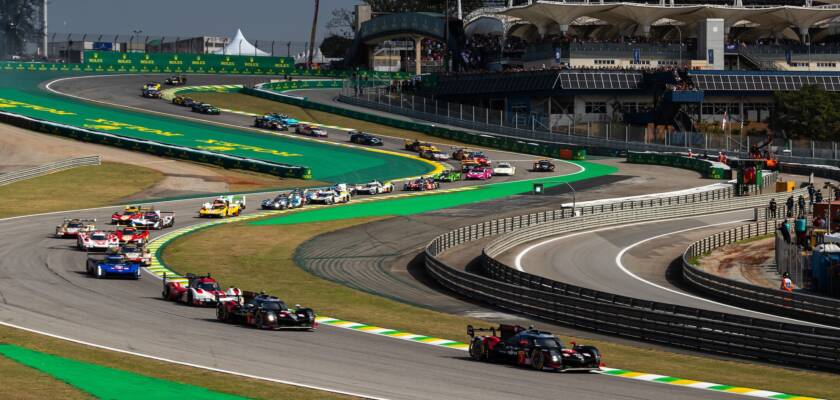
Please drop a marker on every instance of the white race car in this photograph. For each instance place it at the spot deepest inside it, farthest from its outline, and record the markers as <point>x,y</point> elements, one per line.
<point>504,168</point>
<point>310,130</point>
<point>434,155</point>
<point>374,187</point>
<point>154,220</point>
<point>332,195</point>
<point>136,253</point>
<point>73,227</point>
<point>97,241</point>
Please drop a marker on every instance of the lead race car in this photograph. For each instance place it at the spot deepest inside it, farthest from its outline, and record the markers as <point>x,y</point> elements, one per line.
<point>223,207</point>
<point>265,312</point>
<point>199,290</point>
<point>73,227</point>
<point>97,241</point>
<point>530,347</point>
<point>112,265</point>
<point>154,220</point>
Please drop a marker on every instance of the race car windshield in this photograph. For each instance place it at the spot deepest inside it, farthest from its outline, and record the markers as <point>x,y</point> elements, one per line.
<point>273,306</point>
<point>98,237</point>
<point>209,286</point>
<point>74,225</point>
<point>547,343</point>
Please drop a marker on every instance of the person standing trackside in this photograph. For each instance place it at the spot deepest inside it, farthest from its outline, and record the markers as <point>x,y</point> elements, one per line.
<point>772,208</point>
<point>789,206</point>
<point>811,192</point>
<point>818,198</point>
<point>801,203</point>
<point>787,283</point>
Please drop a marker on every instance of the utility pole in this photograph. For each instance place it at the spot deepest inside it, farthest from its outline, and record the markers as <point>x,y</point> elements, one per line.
<point>312,36</point>
<point>44,26</point>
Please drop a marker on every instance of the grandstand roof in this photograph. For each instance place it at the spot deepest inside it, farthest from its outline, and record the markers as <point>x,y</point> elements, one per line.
<point>545,15</point>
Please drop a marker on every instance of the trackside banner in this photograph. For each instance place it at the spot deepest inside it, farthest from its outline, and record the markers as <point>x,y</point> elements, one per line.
<point>198,63</point>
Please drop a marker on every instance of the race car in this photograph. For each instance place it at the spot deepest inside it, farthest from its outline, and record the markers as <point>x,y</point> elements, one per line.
<point>183,101</point>
<point>150,93</point>
<point>543,166</point>
<point>154,220</point>
<point>128,214</point>
<point>198,290</point>
<point>270,123</point>
<point>151,86</point>
<point>97,241</point>
<point>73,227</point>
<point>418,146</point>
<point>135,253</point>
<point>204,108</point>
<point>338,193</point>
<point>448,175</point>
<point>530,347</point>
<point>131,234</point>
<point>460,154</point>
<point>222,207</point>
<point>479,173</point>
<point>374,187</point>
<point>112,265</point>
<point>282,201</point>
<point>434,155</point>
<point>478,157</point>
<point>366,139</point>
<point>265,312</point>
<point>421,184</point>
<point>283,118</point>
<point>310,130</point>
<point>176,80</point>
<point>504,168</point>
<point>467,165</point>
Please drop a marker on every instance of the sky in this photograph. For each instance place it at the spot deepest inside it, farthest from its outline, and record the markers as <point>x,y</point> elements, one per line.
<point>281,20</point>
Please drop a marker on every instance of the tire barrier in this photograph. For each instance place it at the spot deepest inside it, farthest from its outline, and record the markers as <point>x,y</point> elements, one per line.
<point>156,148</point>
<point>33,172</point>
<point>796,305</point>
<point>680,326</point>
<point>704,167</point>
<point>536,148</point>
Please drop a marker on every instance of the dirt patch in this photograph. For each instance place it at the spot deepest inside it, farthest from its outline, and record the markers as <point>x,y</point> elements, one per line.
<point>751,262</point>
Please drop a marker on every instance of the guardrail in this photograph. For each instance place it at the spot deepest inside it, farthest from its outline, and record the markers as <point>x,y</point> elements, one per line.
<point>28,173</point>
<point>686,327</point>
<point>798,305</point>
<point>156,148</point>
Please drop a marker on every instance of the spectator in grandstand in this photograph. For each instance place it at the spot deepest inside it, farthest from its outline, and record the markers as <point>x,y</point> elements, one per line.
<point>789,207</point>
<point>818,196</point>
<point>772,208</point>
<point>801,203</point>
<point>811,192</point>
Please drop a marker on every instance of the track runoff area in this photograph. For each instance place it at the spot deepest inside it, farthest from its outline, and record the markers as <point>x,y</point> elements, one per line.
<point>32,103</point>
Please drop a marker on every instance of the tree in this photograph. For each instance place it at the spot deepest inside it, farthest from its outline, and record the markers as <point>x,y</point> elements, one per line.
<point>341,23</point>
<point>397,6</point>
<point>335,46</point>
<point>19,22</point>
<point>809,113</point>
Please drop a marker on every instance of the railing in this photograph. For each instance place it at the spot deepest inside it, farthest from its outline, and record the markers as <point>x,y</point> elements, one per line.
<point>799,305</point>
<point>675,325</point>
<point>613,136</point>
<point>50,168</point>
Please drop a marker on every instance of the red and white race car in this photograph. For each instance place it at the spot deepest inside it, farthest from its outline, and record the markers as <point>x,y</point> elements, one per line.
<point>97,241</point>
<point>128,214</point>
<point>132,235</point>
<point>480,173</point>
<point>198,290</point>
<point>136,253</point>
<point>73,227</point>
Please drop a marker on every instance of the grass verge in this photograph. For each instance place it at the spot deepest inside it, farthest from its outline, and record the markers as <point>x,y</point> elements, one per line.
<point>81,187</point>
<point>261,258</point>
<point>16,382</point>
<point>33,384</point>
<point>243,102</point>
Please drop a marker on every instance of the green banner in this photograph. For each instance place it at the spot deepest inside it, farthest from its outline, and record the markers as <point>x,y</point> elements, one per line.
<point>107,61</point>
<point>283,86</point>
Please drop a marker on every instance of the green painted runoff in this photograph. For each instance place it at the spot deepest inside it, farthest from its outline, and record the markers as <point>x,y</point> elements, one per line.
<point>420,204</point>
<point>20,94</point>
<point>108,383</point>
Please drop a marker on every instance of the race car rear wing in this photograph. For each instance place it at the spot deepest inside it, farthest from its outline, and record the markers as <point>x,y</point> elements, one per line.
<point>81,220</point>
<point>505,331</point>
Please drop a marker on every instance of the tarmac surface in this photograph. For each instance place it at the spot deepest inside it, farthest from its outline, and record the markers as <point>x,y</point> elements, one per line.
<point>43,287</point>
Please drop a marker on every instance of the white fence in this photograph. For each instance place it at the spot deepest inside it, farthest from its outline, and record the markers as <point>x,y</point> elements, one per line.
<point>33,172</point>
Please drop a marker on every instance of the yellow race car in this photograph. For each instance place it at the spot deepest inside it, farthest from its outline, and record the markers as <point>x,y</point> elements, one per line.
<point>223,207</point>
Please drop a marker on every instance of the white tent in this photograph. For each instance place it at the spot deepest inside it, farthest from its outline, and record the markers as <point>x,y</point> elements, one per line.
<point>240,46</point>
<point>303,57</point>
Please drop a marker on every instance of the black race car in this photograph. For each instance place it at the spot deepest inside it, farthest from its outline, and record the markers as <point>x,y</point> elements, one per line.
<point>366,139</point>
<point>266,122</point>
<point>530,347</point>
<point>205,108</point>
<point>265,312</point>
<point>543,166</point>
<point>176,80</point>
<point>151,93</point>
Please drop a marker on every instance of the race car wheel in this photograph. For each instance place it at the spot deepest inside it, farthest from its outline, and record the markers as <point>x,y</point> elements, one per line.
<point>258,322</point>
<point>165,293</point>
<point>221,313</point>
<point>476,347</point>
<point>538,360</point>
<point>189,297</point>
<point>137,275</point>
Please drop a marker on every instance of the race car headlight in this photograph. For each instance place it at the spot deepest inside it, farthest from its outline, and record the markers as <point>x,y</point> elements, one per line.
<point>270,317</point>
<point>554,358</point>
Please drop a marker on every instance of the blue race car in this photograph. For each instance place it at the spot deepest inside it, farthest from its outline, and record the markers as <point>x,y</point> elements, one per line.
<point>294,199</point>
<point>112,265</point>
<point>283,119</point>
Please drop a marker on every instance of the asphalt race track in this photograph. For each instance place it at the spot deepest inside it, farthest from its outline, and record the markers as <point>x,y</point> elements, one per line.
<point>43,287</point>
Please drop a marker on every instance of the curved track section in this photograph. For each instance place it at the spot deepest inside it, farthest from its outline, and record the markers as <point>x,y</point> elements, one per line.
<point>43,287</point>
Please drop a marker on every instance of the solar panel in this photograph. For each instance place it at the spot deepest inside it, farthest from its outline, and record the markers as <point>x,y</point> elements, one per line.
<point>764,82</point>
<point>599,80</point>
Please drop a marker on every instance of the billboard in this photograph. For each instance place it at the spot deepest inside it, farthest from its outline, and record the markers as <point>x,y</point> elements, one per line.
<point>106,61</point>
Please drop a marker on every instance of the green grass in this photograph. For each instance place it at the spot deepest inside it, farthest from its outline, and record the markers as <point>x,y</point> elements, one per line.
<point>260,258</point>
<point>81,187</point>
<point>24,383</point>
<point>18,382</point>
<point>243,102</point>
<point>696,259</point>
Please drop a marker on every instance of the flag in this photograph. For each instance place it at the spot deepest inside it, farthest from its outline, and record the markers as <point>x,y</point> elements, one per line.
<point>725,120</point>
